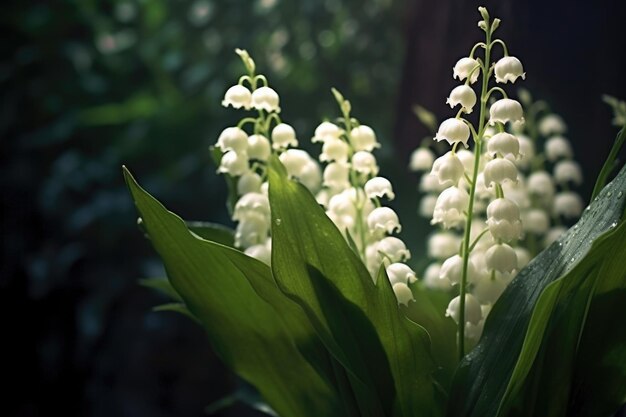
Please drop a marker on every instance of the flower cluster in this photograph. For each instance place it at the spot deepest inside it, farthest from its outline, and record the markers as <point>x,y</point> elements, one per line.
<point>244,156</point>
<point>349,188</point>
<point>469,190</point>
<point>352,194</point>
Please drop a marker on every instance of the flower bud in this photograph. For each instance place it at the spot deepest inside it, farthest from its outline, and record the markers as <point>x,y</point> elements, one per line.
<point>234,164</point>
<point>403,293</point>
<point>501,257</point>
<point>399,272</point>
<point>283,136</point>
<point>259,147</point>
<point>453,131</point>
<point>335,150</point>
<point>450,207</point>
<point>499,170</point>
<point>265,98</point>
<point>463,95</point>
<point>233,139</point>
<point>421,159</point>
<point>473,313</point>
<point>448,169</point>
<point>509,68</point>
<point>568,171</point>
<point>364,162</point>
<point>383,220</point>
<point>363,138</point>
<point>506,110</point>
<point>237,96</point>
<point>503,144</point>
<point>464,67</point>
<point>558,147</point>
<point>379,187</point>
<point>568,204</point>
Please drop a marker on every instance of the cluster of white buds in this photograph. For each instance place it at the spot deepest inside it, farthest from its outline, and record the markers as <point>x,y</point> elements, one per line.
<point>352,193</point>
<point>244,156</point>
<point>467,189</point>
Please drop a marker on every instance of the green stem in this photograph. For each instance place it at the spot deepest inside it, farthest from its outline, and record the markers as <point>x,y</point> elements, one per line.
<point>609,164</point>
<point>470,209</point>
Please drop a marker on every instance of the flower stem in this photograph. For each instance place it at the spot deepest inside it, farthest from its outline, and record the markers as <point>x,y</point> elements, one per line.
<point>470,210</point>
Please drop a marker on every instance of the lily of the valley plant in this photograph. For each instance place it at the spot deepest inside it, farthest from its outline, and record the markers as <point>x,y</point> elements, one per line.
<point>313,300</point>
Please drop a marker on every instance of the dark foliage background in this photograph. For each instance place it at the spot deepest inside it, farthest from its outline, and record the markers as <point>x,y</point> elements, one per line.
<point>87,86</point>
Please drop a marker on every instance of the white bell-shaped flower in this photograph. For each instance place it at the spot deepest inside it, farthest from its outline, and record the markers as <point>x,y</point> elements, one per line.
<point>251,203</point>
<point>399,272</point>
<point>261,252</point>
<point>450,207</point>
<point>540,184</point>
<point>466,67</point>
<point>337,176</point>
<point>234,164</point>
<point>310,175</point>
<point>558,147</point>
<point>467,159</point>
<point>432,280</point>
<point>294,160</point>
<point>506,110</point>
<point>383,220</point>
<point>509,68</point>
<point>554,234</point>
<point>427,206</point>
<point>265,98</point>
<point>473,313</point>
<point>442,245</point>
<point>238,96</point>
<point>568,171</point>
<point>421,159</point>
<point>568,204</point>
<point>552,124</point>
<point>499,170</point>
<point>379,187</point>
<point>503,219</point>
<point>463,95</point>
<point>536,221</point>
<point>252,230</point>
<point>259,147</point>
<point>403,293</point>
<point>363,138</point>
<point>364,162</point>
<point>250,182</point>
<point>430,184</point>
<point>474,331</point>
<point>501,257</point>
<point>326,130</point>
<point>487,290</point>
<point>393,249</point>
<point>452,270</point>
<point>335,150</point>
<point>283,136</point>
<point>342,210</point>
<point>503,144</point>
<point>448,169</point>
<point>453,131</point>
<point>526,151</point>
<point>233,139</point>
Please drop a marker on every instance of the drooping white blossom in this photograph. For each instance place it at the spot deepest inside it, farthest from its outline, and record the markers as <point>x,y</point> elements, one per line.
<point>383,220</point>
<point>568,204</point>
<point>503,144</point>
<point>363,138</point>
<point>498,171</point>
<point>450,207</point>
<point>501,257</point>
<point>466,67</point>
<point>568,171</point>
<point>463,95</point>
<point>265,98</point>
<point>259,147</point>
<point>448,169</point>
<point>473,313</point>
<point>558,147</point>
<point>233,139</point>
<point>379,187</point>
<point>238,96</point>
<point>234,163</point>
<point>509,69</point>
<point>421,159</point>
<point>283,136</point>
<point>506,110</point>
<point>453,130</point>
<point>364,162</point>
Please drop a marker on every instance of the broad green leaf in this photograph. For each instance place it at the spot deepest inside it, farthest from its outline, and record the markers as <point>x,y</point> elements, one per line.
<point>214,232</point>
<point>485,373</point>
<point>387,356</point>
<point>259,333</point>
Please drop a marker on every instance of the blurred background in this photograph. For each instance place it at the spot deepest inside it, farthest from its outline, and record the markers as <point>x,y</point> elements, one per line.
<point>87,86</point>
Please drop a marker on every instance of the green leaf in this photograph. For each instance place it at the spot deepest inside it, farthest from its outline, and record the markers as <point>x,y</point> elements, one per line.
<point>487,372</point>
<point>387,356</point>
<point>177,308</point>
<point>258,332</point>
<point>214,232</point>
<point>231,182</point>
